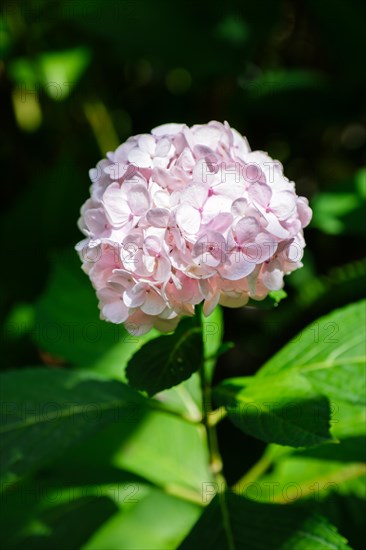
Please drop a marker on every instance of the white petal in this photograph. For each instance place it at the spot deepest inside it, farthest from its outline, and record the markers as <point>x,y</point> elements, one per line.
<point>163,147</point>
<point>168,129</point>
<point>274,227</point>
<point>115,204</point>
<point>139,158</point>
<point>135,296</point>
<point>188,218</point>
<point>215,205</point>
<point>273,276</point>
<point>283,204</point>
<point>147,144</point>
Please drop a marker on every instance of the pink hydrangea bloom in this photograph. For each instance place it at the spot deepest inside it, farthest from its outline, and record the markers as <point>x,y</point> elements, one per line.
<point>188,215</point>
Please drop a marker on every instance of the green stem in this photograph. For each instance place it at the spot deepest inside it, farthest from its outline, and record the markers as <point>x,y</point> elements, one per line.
<point>214,453</point>
<point>215,460</point>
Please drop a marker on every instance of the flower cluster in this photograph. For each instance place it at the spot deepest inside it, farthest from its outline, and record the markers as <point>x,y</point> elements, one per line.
<point>188,215</point>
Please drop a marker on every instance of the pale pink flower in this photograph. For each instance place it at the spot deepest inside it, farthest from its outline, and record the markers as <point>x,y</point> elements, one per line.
<point>188,215</point>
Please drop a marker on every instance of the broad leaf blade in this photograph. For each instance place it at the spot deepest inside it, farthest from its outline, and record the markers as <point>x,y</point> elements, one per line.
<point>44,412</point>
<point>168,360</point>
<point>165,521</point>
<point>283,409</point>
<point>333,340</point>
<point>231,522</point>
<point>330,354</point>
<point>67,323</point>
<point>170,453</point>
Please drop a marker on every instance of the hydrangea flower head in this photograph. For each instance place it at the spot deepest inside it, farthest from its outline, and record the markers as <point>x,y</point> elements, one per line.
<point>188,215</point>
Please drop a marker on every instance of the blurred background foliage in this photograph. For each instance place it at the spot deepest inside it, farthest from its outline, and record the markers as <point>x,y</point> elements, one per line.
<point>77,77</point>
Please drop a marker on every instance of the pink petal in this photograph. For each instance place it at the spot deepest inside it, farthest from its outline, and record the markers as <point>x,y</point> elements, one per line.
<point>210,249</point>
<point>210,303</point>
<point>246,230</point>
<point>186,160</point>
<point>220,222</point>
<point>305,213</point>
<point>260,193</point>
<point>158,217</point>
<point>116,312</point>
<point>95,220</point>
<point>239,207</point>
<point>238,268</point>
<point>153,304</point>
<point>138,199</point>
<point>152,245</point>
<point>266,246</point>
<point>163,269</point>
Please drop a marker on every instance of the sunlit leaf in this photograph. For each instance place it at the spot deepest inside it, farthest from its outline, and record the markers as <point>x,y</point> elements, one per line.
<point>61,70</point>
<point>282,409</point>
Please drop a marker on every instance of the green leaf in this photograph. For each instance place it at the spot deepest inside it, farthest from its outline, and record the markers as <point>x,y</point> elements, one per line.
<point>304,475</point>
<point>60,71</point>
<point>168,360</point>
<point>44,412</point>
<point>330,354</point>
<point>72,521</point>
<point>41,513</point>
<point>283,409</point>
<point>232,522</point>
<point>185,398</point>
<point>340,382</point>
<point>161,448</point>
<point>234,30</point>
<point>67,322</point>
<point>23,72</point>
<point>168,452</point>
<point>333,341</point>
<point>157,521</point>
<point>342,209</point>
<point>283,81</point>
